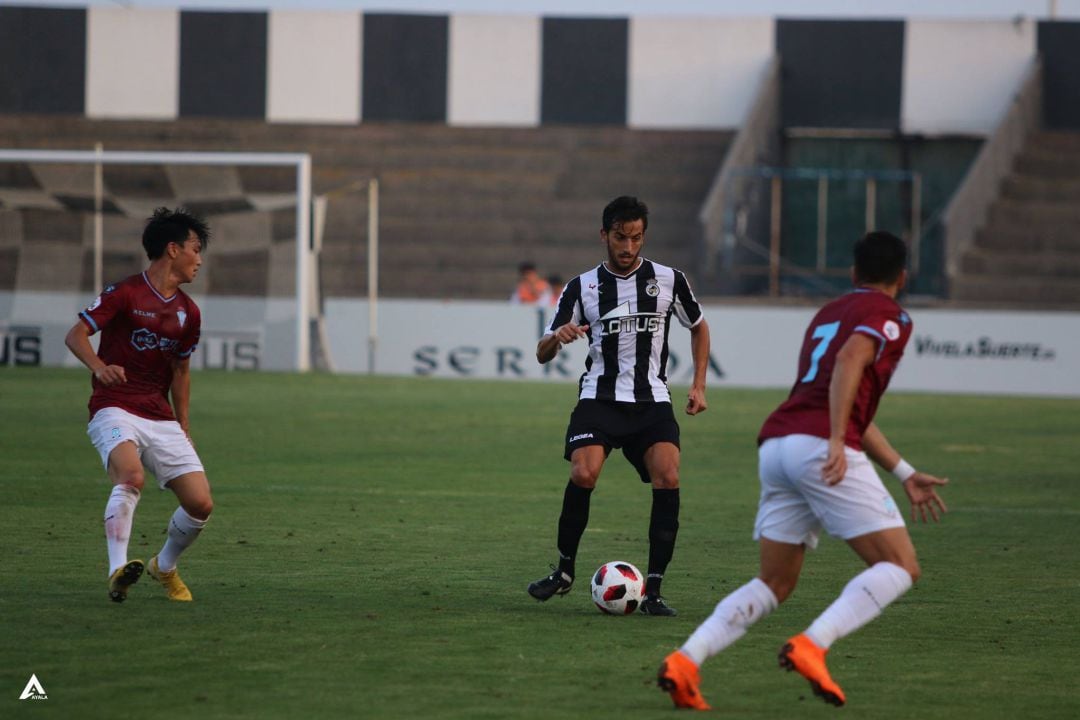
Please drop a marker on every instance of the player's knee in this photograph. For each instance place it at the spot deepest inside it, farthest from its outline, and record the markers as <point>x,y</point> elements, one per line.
<point>583,476</point>
<point>781,585</point>
<point>133,478</point>
<point>665,479</point>
<point>200,508</point>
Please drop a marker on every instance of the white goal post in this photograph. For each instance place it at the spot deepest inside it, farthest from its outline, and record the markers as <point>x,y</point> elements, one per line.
<point>300,161</point>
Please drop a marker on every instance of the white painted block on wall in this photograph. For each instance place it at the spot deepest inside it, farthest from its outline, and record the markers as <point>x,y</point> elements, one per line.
<point>313,66</point>
<point>132,63</point>
<point>960,76</point>
<point>494,70</point>
<point>695,72</point>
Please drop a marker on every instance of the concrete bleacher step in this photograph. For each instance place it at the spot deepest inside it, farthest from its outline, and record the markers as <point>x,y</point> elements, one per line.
<point>1026,213</point>
<point>1024,290</point>
<point>1041,189</point>
<point>1009,264</point>
<point>1033,239</point>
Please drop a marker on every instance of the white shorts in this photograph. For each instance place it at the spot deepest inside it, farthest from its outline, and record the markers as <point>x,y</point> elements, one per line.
<point>162,446</point>
<point>796,503</point>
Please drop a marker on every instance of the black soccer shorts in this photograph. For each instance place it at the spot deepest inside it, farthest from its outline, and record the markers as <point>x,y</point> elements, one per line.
<point>633,427</point>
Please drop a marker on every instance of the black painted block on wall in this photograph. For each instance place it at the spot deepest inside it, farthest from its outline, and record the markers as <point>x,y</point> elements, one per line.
<point>584,71</point>
<point>1059,43</point>
<point>841,73</point>
<point>42,60</point>
<point>223,64</point>
<point>405,67</point>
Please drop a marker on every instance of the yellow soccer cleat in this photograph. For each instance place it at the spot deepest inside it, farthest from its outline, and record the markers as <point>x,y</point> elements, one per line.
<point>802,655</point>
<point>678,677</point>
<point>174,586</point>
<point>123,578</point>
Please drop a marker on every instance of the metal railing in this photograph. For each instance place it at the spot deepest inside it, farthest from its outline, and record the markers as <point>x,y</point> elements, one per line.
<point>777,176</point>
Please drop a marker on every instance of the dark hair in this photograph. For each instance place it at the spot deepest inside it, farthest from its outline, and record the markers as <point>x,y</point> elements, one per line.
<point>526,266</point>
<point>166,226</point>
<point>625,208</point>
<point>880,257</point>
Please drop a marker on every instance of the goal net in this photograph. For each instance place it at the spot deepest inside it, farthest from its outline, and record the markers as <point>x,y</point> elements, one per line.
<point>71,223</point>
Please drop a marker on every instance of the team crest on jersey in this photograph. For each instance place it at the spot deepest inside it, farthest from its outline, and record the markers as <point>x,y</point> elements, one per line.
<point>182,317</point>
<point>891,330</point>
<point>94,305</point>
<point>652,287</point>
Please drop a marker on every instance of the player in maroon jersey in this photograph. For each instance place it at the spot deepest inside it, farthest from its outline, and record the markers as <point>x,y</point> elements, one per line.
<point>815,472</point>
<point>149,328</point>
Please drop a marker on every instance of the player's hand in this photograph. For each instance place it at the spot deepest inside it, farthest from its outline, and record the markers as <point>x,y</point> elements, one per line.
<point>695,401</point>
<point>110,375</point>
<point>570,332</point>
<point>835,466</point>
<point>921,489</point>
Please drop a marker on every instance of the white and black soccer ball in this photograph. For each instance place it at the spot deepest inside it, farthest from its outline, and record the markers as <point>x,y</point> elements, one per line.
<point>617,587</point>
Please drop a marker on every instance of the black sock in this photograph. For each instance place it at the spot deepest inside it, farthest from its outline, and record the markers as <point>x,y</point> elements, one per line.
<point>572,522</point>
<point>663,528</point>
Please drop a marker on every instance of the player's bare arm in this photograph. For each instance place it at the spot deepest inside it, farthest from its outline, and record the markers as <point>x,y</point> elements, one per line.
<point>549,345</point>
<point>78,342</point>
<point>851,360</point>
<point>921,488</point>
<point>699,349</point>
<point>180,390</point>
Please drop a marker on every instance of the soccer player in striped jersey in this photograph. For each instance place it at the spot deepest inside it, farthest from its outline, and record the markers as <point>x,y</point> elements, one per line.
<point>149,328</point>
<point>815,472</point>
<point>623,308</point>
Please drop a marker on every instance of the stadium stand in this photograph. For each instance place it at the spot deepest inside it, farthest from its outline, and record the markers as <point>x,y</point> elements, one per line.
<point>1028,253</point>
<point>459,206</point>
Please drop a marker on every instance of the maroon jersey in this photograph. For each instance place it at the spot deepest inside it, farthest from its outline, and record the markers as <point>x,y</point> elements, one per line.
<point>806,411</point>
<point>142,332</point>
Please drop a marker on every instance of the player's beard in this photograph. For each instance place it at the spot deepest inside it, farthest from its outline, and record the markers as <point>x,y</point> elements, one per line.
<point>617,262</point>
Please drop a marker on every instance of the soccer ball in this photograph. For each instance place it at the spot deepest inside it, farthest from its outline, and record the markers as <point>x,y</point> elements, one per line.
<point>617,588</point>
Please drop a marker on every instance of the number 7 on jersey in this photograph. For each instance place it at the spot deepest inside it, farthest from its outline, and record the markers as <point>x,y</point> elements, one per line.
<point>824,335</point>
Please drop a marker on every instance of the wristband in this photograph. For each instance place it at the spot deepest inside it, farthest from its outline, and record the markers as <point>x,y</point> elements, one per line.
<point>903,470</point>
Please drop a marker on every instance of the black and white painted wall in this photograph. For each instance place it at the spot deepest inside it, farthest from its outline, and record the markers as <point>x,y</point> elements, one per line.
<point>931,77</point>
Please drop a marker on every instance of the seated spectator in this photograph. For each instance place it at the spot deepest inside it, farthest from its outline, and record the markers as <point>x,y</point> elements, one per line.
<point>556,283</point>
<point>531,288</point>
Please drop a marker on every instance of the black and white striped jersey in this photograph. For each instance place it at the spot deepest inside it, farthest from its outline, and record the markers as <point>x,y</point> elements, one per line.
<point>628,318</point>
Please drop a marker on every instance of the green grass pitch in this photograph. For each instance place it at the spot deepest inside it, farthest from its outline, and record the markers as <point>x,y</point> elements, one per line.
<point>373,537</point>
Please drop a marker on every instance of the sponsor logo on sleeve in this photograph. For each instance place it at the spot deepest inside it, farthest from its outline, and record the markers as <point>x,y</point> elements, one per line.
<point>891,330</point>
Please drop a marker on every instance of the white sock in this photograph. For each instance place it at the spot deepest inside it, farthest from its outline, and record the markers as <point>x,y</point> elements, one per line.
<point>119,514</point>
<point>730,620</point>
<point>183,529</point>
<point>863,599</point>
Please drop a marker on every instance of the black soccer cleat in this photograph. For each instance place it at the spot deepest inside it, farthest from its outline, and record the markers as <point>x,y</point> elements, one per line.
<point>557,583</point>
<point>655,605</point>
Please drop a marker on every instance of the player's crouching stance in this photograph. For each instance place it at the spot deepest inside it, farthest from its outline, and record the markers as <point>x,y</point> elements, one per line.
<point>815,472</point>
<point>149,328</point>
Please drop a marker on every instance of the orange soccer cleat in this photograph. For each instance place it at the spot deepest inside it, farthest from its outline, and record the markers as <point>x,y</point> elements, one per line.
<point>802,655</point>
<point>678,676</point>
